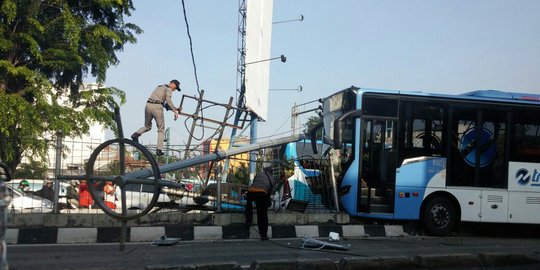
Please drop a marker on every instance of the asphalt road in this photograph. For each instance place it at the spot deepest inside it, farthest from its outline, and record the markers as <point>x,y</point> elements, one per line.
<point>139,255</point>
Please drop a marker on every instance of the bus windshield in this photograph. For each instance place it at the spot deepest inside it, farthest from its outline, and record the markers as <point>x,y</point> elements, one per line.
<point>334,107</point>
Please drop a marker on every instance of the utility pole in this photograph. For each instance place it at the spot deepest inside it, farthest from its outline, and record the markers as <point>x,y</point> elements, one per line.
<point>297,110</point>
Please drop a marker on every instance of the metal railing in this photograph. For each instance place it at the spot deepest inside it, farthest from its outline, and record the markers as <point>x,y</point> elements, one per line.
<point>308,191</point>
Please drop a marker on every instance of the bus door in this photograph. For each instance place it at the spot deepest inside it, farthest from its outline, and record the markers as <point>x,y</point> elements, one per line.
<point>377,166</point>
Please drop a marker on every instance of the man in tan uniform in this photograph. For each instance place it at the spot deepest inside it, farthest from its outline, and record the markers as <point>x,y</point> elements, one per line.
<point>159,98</point>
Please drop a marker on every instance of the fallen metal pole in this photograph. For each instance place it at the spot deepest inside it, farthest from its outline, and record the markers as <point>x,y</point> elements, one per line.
<point>182,164</point>
<point>206,198</point>
<point>186,163</point>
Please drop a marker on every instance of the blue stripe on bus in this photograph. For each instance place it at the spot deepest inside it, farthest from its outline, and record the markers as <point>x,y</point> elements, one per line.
<point>348,201</point>
<point>376,215</point>
<point>411,179</point>
<point>408,207</point>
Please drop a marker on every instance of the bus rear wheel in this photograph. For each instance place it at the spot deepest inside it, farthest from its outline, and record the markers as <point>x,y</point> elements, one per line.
<point>439,216</point>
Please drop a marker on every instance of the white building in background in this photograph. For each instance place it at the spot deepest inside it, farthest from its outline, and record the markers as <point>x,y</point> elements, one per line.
<point>77,150</point>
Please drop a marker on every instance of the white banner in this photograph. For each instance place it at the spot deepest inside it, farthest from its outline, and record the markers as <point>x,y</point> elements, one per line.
<point>258,41</point>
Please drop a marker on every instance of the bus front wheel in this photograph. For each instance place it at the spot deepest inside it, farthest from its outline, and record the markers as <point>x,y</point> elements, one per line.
<point>439,216</point>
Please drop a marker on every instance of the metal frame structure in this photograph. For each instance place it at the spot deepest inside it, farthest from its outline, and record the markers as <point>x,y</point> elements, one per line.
<point>141,176</point>
<point>150,176</point>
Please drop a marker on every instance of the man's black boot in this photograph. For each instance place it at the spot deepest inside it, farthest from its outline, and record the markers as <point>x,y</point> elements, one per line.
<point>159,153</point>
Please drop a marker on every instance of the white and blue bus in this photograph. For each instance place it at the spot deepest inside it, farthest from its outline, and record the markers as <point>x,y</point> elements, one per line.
<point>440,159</point>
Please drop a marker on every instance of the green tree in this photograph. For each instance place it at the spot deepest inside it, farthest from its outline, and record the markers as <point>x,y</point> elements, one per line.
<point>47,48</point>
<point>311,123</point>
<point>113,167</point>
<point>32,170</point>
<point>240,175</point>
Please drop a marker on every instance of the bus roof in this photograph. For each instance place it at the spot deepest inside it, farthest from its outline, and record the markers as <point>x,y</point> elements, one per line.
<point>503,95</point>
<point>494,95</point>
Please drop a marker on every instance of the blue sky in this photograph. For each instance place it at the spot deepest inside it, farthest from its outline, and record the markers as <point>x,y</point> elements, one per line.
<point>451,46</point>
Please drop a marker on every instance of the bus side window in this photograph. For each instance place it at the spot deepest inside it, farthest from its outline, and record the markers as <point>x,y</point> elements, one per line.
<point>421,130</point>
<point>526,140</point>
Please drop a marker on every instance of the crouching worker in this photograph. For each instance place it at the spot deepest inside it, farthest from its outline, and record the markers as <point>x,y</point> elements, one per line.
<point>260,192</point>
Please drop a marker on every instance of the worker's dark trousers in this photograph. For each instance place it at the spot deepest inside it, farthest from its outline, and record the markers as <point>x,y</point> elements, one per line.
<point>262,202</point>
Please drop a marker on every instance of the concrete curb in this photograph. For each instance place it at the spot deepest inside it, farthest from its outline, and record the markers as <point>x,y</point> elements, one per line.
<point>375,263</point>
<point>49,235</point>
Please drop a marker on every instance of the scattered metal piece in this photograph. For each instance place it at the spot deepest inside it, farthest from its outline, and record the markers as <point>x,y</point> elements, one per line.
<point>165,241</point>
<point>333,236</point>
<point>317,244</point>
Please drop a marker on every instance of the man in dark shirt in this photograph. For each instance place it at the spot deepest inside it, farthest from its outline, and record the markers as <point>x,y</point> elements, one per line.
<point>260,192</point>
<point>46,191</point>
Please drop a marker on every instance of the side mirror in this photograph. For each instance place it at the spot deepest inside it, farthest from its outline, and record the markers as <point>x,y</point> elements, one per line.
<point>337,134</point>
<point>313,136</point>
<point>338,123</point>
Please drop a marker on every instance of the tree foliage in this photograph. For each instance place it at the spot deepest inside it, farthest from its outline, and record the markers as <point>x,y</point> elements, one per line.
<point>47,48</point>
<point>311,123</point>
<point>32,170</point>
<point>239,174</point>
